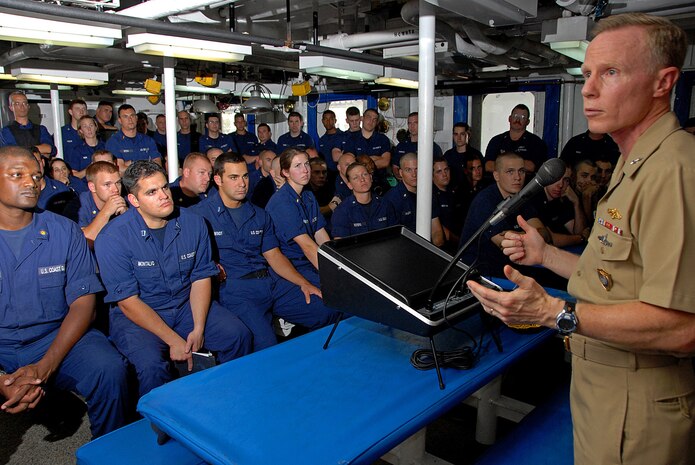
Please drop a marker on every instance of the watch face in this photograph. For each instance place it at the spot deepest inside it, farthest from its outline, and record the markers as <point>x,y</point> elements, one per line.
<point>566,324</point>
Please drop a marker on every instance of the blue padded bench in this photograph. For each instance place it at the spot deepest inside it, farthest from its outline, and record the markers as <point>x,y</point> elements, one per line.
<point>544,436</point>
<point>135,444</point>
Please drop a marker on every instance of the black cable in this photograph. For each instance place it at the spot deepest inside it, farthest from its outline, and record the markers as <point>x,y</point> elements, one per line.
<point>462,359</point>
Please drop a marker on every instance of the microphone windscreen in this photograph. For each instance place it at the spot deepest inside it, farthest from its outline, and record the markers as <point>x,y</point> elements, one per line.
<point>551,172</point>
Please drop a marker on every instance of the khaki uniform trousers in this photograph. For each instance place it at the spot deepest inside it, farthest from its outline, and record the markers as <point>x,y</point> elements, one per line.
<point>630,408</point>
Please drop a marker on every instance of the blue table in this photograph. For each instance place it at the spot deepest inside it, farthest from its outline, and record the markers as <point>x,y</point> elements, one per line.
<point>298,404</point>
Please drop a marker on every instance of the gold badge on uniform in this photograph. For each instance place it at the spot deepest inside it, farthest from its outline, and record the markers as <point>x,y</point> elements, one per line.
<point>605,278</point>
<point>615,214</point>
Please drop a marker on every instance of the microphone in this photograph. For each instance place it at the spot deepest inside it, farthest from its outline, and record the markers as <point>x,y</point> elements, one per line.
<point>550,172</point>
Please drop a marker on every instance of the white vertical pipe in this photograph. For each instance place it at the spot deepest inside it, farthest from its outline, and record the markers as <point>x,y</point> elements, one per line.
<point>170,113</point>
<point>57,120</point>
<point>425,137</point>
<point>566,114</point>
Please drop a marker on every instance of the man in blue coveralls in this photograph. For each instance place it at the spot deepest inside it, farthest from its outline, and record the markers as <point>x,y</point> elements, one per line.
<point>156,265</point>
<point>247,246</point>
<point>296,137</point>
<point>48,279</point>
<point>127,144</point>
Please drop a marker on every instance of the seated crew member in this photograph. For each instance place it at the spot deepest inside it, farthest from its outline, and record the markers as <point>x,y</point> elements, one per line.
<point>361,211</point>
<point>103,116</point>
<point>246,142</point>
<point>127,144</point>
<point>449,202</point>
<point>299,225</point>
<point>509,177</point>
<point>458,156</point>
<point>22,132</point>
<point>82,153</point>
<point>517,140</point>
<point>268,185</point>
<point>246,246</point>
<point>60,171</point>
<point>474,180</point>
<point>212,153</point>
<point>265,158</point>
<point>77,109</point>
<point>296,137</point>
<point>156,266</point>
<point>187,139</point>
<point>584,183</point>
<point>103,202</point>
<point>560,210</point>
<point>103,155</point>
<point>264,139</point>
<point>590,146</point>
<point>54,195</point>
<point>403,197</point>
<point>409,145</point>
<point>214,137</point>
<point>48,285</point>
<point>342,191</point>
<point>159,135</point>
<point>319,185</point>
<point>331,142</point>
<point>373,144</point>
<point>194,182</point>
<point>143,124</point>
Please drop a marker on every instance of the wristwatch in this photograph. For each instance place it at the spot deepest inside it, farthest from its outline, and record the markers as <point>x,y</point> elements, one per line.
<point>566,321</point>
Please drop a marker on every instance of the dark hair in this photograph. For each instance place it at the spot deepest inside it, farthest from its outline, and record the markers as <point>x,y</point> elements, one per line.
<point>286,158</point>
<point>138,170</point>
<point>689,123</point>
<point>328,112</point>
<point>104,103</point>
<point>263,125</point>
<point>373,110</point>
<point>239,115</point>
<point>463,125</point>
<point>521,106</point>
<point>212,115</point>
<point>16,151</point>
<point>414,113</point>
<point>352,111</point>
<point>439,159</point>
<point>124,107</point>
<point>295,113</point>
<point>103,152</point>
<point>472,156</point>
<point>77,101</point>
<point>227,157</point>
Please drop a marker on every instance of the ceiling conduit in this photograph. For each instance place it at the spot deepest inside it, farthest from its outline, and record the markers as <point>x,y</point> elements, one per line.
<point>155,9</point>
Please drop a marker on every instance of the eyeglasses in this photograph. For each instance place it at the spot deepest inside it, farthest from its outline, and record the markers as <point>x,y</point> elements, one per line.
<point>516,117</point>
<point>20,104</point>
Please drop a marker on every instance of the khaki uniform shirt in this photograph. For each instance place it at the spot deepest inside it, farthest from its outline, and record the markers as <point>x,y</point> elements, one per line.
<point>629,407</point>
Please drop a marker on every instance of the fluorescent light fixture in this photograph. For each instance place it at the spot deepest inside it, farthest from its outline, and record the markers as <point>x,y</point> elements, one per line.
<point>7,77</point>
<point>413,50</point>
<point>575,71</point>
<point>38,29</point>
<point>180,47</point>
<point>572,48</point>
<point>340,68</point>
<point>131,92</point>
<point>70,77</point>
<point>398,78</point>
<point>202,90</point>
<point>28,86</point>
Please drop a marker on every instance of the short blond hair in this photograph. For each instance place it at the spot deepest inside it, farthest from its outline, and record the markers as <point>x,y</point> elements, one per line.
<point>666,42</point>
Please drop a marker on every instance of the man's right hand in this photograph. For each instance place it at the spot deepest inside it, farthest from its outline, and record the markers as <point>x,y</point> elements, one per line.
<point>178,352</point>
<point>524,249</point>
<point>115,205</point>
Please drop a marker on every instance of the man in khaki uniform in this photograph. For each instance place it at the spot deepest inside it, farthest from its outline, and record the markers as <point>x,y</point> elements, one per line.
<point>633,387</point>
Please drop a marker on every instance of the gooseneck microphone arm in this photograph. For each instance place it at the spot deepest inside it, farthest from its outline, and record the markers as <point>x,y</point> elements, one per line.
<point>550,172</point>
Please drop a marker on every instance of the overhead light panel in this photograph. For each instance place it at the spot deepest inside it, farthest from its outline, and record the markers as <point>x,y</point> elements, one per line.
<point>39,29</point>
<point>180,47</point>
<point>398,78</point>
<point>572,48</point>
<point>340,68</point>
<point>29,86</point>
<point>76,76</point>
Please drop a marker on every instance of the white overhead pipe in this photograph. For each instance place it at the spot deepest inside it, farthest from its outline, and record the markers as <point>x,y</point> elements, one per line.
<point>170,112</point>
<point>57,120</point>
<point>370,39</point>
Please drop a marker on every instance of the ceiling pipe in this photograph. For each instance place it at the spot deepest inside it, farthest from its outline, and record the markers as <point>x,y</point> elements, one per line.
<point>371,39</point>
<point>193,31</point>
<point>57,52</point>
<point>480,40</point>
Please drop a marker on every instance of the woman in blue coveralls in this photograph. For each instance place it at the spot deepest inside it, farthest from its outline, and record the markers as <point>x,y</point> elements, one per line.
<point>299,225</point>
<point>362,211</point>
